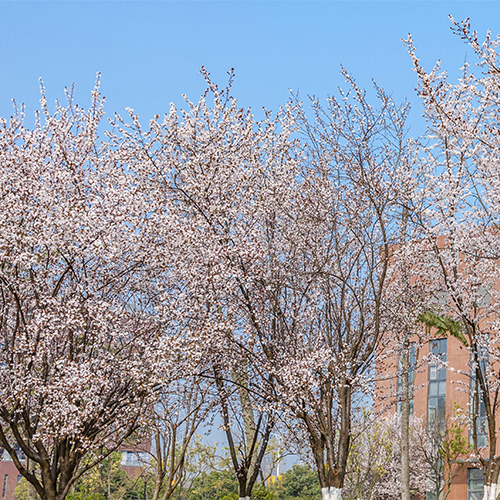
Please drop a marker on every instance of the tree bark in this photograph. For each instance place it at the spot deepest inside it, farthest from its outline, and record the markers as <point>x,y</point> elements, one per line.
<point>331,493</point>
<point>490,491</point>
<point>30,489</point>
<point>405,421</point>
<point>257,435</point>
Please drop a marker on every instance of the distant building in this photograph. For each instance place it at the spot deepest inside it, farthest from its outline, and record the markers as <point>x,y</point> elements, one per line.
<point>132,462</point>
<point>9,476</point>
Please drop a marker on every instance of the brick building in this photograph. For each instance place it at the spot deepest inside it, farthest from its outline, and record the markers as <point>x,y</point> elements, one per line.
<point>9,477</point>
<point>132,463</point>
<point>438,392</point>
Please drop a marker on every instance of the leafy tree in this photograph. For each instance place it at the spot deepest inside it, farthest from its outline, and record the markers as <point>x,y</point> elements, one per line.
<point>106,481</point>
<point>261,492</point>
<point>214,485</point>
<point>445,449</point>
<point>299,482</point>
<point>173,433</point>
<point>201,457</point>
<point>210,173</point>
<point>334,305</point>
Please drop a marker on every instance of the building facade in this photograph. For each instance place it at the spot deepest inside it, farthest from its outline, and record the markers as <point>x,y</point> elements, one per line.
<point>442,389</point>
<point>9,477</point>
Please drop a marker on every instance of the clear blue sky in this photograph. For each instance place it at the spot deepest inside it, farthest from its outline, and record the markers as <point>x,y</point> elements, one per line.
<point>149,53</point>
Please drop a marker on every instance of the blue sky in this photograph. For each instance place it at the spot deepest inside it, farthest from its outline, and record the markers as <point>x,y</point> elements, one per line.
<point>149,53</point>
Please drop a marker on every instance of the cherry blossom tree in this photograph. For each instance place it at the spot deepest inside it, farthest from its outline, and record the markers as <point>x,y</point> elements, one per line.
<point>212,173</point>
<point>374,465</point>
<point>280,254</point>
<point>177,415</point>
<point>77,345</point>
<point>246,424</point>
<point>460,251</point>
<point>314,293</point>
<point>345,225</point>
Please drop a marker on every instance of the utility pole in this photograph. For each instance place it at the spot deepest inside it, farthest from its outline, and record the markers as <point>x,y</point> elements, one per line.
<point>405,385</point>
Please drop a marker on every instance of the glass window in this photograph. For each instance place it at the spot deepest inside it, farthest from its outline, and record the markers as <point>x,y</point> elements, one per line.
<point>134,459</point>
<point>441,409</point>
<point>436,396</point>
<point>477,401</point>
<point>433,388</point>
<point>474,484</point>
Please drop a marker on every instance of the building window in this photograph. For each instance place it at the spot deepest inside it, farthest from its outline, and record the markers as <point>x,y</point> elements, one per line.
<point>477,402</point>
<point>475,484</point>
<point>411,376</point>
<point>5,485</point>
<point>481,420</point>
<point>436,399</point>
<point>134,459</point>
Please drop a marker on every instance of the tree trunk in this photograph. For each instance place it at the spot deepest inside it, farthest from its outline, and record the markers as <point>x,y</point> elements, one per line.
<point>330,454</point>
<point>30,489</point>
<point>490,491</point>
<point>491,473</point>
<point>331,493</point>
<point>252,453</point>
<point>248,418</point>
<point>405,421</point>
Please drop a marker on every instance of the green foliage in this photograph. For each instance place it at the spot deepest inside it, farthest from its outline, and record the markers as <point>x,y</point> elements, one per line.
<point>108,481</point>
<point>444,325</point>
<point>86,496</point>
<point>370,456</point>
<point>454,444</point>
<point>21,491</point>
<point>262,493</point>
<point>101,481</point>
<point>215,485</point>
<point>299,482</point>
